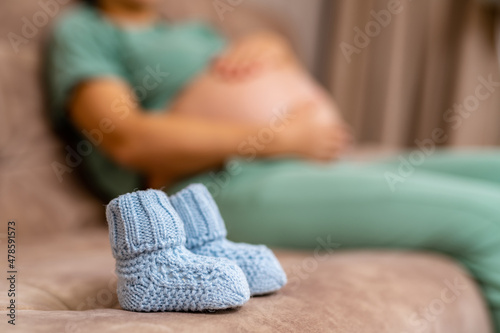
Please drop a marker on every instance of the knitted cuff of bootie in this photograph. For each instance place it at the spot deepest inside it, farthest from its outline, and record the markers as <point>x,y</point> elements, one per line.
<point>206,235</point>
<point>143,221</point>
<point>155,271</point>
<point>200,214</point>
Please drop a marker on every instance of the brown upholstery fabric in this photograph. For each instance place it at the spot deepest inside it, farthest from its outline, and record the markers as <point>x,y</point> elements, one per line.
<point>67,284</point>
<point>29,189</point>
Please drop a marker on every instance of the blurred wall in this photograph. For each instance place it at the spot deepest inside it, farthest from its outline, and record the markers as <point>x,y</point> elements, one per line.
<point>399,73</point>
<point>299,20</point>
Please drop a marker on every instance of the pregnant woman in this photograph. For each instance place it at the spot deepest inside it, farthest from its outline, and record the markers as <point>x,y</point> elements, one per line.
<point>166,105</point>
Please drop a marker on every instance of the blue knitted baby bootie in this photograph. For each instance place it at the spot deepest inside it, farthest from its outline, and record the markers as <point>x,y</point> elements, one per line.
<point>155,270</point>
<point>206,235</point>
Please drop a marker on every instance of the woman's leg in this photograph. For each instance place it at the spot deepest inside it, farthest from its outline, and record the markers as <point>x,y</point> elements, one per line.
<point>478,164</point>
<point>298,204</point>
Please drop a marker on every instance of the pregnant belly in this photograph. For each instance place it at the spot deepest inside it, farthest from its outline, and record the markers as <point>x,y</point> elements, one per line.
<point>254,100</point>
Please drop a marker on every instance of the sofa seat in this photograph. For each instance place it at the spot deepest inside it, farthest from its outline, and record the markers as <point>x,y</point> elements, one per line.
<point>66,283</point>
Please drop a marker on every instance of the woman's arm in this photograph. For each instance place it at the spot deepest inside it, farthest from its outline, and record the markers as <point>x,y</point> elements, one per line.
<point>167,147</point>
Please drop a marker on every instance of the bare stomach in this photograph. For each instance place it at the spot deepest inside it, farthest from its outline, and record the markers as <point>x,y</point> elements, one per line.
<point>254,100</point>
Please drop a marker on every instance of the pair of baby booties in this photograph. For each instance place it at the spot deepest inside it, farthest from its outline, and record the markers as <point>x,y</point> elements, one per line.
<point>172,254</point>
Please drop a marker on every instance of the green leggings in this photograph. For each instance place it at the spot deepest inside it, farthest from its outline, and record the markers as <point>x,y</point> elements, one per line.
<point>449,203</point>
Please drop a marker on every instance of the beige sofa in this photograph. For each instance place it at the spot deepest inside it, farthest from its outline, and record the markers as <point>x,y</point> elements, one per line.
<point>65,280</point>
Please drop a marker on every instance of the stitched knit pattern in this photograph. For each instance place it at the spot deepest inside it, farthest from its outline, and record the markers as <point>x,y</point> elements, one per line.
<point>155,271</point>
<point>206,235</point>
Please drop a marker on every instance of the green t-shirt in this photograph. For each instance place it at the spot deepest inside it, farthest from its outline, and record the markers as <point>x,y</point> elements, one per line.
<point>156,61</point>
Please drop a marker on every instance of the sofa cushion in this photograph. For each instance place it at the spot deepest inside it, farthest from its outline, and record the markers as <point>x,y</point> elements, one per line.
<point>66,284</point>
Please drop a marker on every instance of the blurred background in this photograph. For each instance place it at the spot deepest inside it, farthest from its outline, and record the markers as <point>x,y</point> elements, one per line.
<point>397,84</point>
<point>398,70</point>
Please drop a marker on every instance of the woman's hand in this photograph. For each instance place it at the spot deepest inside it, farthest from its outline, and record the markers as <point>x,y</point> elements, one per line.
<point>251,55</point>
<point>311,136</point>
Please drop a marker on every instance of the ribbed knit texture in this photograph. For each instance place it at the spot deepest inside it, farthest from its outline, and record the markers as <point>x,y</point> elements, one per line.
<point>206,235</point>
<point>155,270</point>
